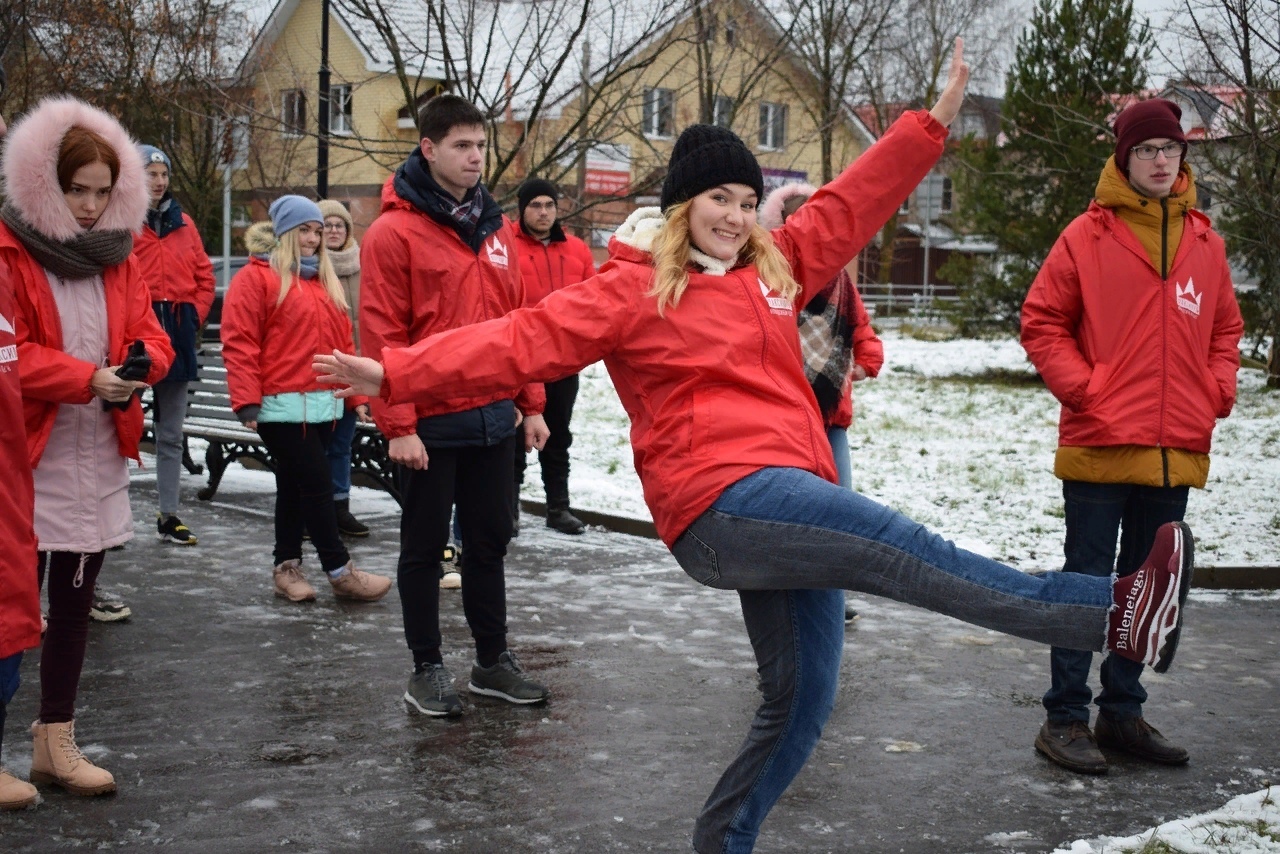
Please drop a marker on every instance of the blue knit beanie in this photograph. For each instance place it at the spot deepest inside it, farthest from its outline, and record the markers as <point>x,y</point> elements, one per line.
<point>151,154</point>
<point>289,212</point>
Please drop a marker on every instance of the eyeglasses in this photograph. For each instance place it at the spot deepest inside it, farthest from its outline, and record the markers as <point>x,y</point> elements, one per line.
<point>1171,151</point>
<point>335,226</point>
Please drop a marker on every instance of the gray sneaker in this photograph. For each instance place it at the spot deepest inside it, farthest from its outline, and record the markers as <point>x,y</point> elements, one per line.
<point>431,692</point>
<point>506,681</point>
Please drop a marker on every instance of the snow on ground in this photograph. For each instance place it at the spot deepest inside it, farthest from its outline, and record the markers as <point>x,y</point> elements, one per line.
<point>970,458</point>
<point>1249,824</point>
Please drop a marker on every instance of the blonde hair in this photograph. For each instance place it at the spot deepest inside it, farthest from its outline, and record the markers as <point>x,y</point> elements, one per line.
<point>671,252</point>
<point>285,260</point>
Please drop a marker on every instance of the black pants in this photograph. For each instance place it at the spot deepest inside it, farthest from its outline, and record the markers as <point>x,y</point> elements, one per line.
<point>71,577</point>
<point>479,480</point>
<point>554,458</point>
<point>304,492</point>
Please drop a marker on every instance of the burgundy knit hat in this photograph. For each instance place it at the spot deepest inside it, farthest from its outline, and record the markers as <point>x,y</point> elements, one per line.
<point>1152,119</point>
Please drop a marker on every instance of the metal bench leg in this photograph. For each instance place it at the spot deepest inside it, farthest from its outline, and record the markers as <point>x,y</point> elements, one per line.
<point>216,460</point>
<point>188,463</point>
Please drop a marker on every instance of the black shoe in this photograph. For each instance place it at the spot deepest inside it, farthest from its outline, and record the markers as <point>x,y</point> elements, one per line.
<point>1138,738</point>
<point>108,609</point>
<point>348,524</point>
<point>431,692</point>
<point>506,680</point>
<point>565,522</point>
<point>849,615</point>
<point>1071,745</point>
<point>171,530</point>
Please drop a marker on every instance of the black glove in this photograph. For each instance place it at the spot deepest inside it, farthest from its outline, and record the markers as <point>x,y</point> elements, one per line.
<point>136,367</point>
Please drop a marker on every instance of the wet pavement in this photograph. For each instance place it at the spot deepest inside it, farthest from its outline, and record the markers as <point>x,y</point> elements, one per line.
<point>235,721</point>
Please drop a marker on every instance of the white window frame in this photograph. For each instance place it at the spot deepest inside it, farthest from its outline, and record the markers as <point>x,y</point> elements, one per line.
<point>773,126</point>
<point>721,110</point>
<point>340,101</point>
<point>293,112</point>
<point>659,104</point>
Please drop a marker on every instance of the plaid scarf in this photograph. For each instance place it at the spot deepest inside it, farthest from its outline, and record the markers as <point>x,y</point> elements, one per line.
<point>826,341</point>
<point>466,213</point>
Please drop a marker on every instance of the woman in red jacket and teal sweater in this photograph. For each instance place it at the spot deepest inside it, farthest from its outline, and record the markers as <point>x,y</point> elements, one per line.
<point>694,317</point>
<point>286,304</point>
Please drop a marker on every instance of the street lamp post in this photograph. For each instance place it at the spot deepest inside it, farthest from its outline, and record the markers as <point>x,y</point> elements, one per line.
<point>322,139</point>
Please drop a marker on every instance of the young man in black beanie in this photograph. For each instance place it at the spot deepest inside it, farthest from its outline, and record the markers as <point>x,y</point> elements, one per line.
<point>550,260</point>
<point>1133,323</point>
<point>440,256</point>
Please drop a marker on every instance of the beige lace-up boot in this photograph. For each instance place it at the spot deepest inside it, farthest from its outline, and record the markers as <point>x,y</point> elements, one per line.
<point>360,585</point>
<point>15,794</point>
<point>56,759</point>
<point>290,582</point>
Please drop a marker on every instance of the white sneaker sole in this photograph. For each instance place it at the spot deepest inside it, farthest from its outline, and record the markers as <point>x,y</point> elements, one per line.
<point>493,692</point>
<point>408,698</point>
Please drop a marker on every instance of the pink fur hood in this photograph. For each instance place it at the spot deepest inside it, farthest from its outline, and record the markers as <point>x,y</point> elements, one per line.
<point>30,167</point>
<point>770,213</point>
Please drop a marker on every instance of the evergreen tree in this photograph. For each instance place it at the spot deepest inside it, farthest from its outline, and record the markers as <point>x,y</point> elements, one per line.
<point>1072,60</point>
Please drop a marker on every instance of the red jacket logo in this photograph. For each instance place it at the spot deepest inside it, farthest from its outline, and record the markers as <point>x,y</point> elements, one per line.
<point>777,304</point>
<point>497,252</point>
<point>1188,299</point>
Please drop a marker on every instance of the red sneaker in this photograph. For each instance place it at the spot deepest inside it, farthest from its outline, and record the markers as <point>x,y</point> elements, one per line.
<point>1146,621</point>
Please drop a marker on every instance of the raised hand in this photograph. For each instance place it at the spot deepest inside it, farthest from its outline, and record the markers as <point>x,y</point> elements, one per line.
<point>948,106</point>
<point>354,375</point>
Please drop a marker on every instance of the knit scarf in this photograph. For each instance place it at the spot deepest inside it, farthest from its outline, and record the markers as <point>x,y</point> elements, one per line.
<point>82,257</point>
<point>414,184</point>
<point>826,341</point>
<point>346,262</point>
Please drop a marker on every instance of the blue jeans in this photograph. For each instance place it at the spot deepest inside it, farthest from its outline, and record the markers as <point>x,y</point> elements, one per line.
<point>838,437</point>
<point>339,453</point>
<point>1096,514</point>
<point>785,530</point>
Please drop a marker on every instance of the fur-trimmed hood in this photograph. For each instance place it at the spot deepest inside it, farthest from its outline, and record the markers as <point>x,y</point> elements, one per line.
<point>260,239</point>
<point>770,213</point>
<point>643,225</point>
<point>30,168</point>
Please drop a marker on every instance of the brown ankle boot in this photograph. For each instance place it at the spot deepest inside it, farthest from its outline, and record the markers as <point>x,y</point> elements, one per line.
<point>360,585</point>
<point>15,794</point>
<point>56,759</point>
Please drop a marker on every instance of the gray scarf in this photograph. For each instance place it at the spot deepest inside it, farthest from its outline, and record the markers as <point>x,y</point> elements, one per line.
<point>346,262</point>
<point>82,257</point>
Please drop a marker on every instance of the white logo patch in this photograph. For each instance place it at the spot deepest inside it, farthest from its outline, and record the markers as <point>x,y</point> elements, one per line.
<point>497,252</point>
<point>1188,299</point>
<point>777,304</point>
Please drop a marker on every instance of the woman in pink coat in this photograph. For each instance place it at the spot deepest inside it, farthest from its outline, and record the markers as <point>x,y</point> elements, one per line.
<point>75,197</point>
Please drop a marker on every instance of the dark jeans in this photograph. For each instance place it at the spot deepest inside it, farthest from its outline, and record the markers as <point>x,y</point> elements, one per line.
<point>9,678</point>
<point>478,479</point>
<point>1096,514</point>
<point>339,451</point>
<point>71,579</point>
<point>554,458</point>
<point>304,492</point>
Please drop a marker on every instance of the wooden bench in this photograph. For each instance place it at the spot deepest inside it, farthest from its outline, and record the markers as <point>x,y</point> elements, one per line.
<point>210,417</point>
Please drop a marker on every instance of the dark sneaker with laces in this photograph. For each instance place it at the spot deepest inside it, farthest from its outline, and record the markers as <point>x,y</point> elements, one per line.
<point>431,692</point>
<point>1071,745</point>
<point>565,522</point>
<point>1138,738</point>
<point>506,681</point>
<point>849,615</point>
<point>1146,621</point>
<point>171,530</point>
<point>108,609</point>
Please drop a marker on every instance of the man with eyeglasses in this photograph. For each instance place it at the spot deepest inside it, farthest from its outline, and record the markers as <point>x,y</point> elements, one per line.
<point>550,259</point>
<point>1133,324</point>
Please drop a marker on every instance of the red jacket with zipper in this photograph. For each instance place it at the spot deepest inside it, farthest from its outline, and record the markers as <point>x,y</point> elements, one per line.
<point>19,593</point>
<point>50,376</point>
<point>418,278</point>
<point>268,348</point>
<point>714,388</point>
<point>549,267</point>
<point>868,351</point>
<point>1135,359</point>
<point>176,267</point>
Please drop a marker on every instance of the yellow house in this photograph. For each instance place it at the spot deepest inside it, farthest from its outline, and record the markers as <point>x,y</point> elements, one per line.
<point>649,76</point>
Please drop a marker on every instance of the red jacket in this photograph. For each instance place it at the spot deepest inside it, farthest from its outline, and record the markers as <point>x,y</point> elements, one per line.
<point>176,267</point>
<point>868,351</point>
<point>549,267</point>
<point>1134,359</point>
<point>19,593</point>
<point>268,349</point>
<point>50,377</point>
<point>418,278</point>
<point>715,389</point>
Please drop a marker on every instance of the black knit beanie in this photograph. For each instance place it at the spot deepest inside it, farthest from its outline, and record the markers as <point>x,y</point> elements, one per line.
<point>534,187</point>
<point>707,156</point>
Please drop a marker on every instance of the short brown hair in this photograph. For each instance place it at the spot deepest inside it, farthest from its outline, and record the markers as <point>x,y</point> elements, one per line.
<point>81,147</point>
<point>445,112</point>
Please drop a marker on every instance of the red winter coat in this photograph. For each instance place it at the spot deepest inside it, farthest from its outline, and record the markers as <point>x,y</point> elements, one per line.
<point>1134,359</point>
<point>51,377</point>
<point>418,278</point>
<point>19,593</point>
<point>549,267</point>
<point>176,267</point>
<point>868,351</point>
<point>268,348</point>
<point>715,389</point>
